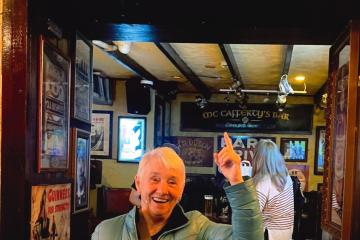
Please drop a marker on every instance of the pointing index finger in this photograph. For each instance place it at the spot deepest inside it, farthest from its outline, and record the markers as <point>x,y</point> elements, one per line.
<point>227,140</point>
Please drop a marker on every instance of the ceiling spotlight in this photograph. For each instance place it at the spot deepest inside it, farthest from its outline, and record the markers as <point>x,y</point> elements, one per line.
<point>284,86</point>
<point>236,85</point>
<point>201,102</point>
<point>266,98</point>
<point>242,100</point>
<point>227,97</point>
<point>124,47</point>
<point>323,101</point>
<point>147,83</point>
<point>281,102</point>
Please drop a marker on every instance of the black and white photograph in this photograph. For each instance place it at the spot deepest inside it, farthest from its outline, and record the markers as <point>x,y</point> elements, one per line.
<point>82,80</point>
<point>53,119</point>
<point>81,170</point>
<point>101,134</point>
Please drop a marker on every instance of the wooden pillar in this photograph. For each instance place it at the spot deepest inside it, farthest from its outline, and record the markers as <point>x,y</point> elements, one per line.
<point>13,122</point>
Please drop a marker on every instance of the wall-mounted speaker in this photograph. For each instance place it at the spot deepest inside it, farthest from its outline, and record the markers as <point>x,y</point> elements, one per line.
<point>137,97</point>
<point>95,173</point>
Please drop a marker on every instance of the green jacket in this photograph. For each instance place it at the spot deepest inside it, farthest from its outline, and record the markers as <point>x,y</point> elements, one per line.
<point>246,221</point>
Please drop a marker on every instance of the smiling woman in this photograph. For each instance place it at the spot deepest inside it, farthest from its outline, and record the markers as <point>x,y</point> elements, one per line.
<point>160,181</point>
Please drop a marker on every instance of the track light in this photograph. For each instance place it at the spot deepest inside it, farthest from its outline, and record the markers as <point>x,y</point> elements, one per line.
<point>281,102</point>
<point>201,102</point>
<point>284,86</point>
<point>124,47</point>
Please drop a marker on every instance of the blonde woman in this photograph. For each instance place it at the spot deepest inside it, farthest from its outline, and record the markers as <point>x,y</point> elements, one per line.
<point>274,189</point>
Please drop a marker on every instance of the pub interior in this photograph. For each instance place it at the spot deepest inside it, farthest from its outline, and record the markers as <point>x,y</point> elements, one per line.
<point>95,89</point>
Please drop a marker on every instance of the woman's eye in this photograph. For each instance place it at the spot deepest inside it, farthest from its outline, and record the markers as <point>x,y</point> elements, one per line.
<point>155,179</point>
<point>172,182</point>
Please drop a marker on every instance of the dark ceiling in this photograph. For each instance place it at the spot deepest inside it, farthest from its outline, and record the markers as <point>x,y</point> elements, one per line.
<point>283,22</point>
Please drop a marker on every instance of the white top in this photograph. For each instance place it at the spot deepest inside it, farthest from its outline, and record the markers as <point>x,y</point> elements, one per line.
<point>277,208</point>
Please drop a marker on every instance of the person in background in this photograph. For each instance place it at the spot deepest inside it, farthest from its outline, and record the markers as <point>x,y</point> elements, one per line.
<point>134,197</point>
<point>160,181</point>
<point>274,188</point>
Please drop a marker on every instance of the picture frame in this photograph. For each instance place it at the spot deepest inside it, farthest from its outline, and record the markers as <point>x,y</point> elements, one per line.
<point>159,121</point>
<point>82,83</point>
<point>50,215</point>
<point>340,199</point>
<point>131,139</point>
<point>102,89</point>
<point>101,134</point>
<point>319,151</point>
<point>53,112</point>
<point>81,169</point>
<point>294,149</point>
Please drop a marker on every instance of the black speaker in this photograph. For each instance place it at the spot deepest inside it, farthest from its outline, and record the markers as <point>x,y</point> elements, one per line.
<point>95,173</point>
<point>137,97</point>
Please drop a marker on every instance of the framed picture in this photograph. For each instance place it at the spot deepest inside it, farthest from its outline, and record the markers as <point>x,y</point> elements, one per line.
<point>53,112</point>
<point>102,89</point>
<point>131,138</point>
<point>294,149</point>
<point>50,211</point>
<point>81,169</point>
<point>82,79</point>
<point>159,121</point>
<point>101,134</point>
<point>340,199</point>
<point>319,151</point>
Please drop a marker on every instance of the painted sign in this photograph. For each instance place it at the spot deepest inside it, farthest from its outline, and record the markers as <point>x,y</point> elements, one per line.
<point>243,145</point>
<point>219,117</point>
<point>50,212</point>
<point>195,151</point>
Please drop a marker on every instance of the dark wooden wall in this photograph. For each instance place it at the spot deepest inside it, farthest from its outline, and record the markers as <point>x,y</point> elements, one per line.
<point>21,31</point>
<point>14,120</point>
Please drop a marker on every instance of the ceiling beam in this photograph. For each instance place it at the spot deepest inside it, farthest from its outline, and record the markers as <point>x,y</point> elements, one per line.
<point>209,34</point>
<point>231,63</point>
<point>287,60</point>
<point>184,69</point>
<point>132,65</point>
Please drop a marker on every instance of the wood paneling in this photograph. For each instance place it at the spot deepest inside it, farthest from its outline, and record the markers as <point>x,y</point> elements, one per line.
<point>14,96</point>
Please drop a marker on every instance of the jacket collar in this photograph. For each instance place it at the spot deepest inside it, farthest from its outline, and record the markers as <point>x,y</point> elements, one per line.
<point>177,220</point>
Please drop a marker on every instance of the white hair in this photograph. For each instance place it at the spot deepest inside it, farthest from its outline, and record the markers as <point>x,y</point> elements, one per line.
<point>268,161</point>
<point>166,155</point>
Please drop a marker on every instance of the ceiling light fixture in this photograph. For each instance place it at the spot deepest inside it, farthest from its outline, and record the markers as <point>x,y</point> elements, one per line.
<point>284,90</point>
<point>124,47</point>
<point>201,102</point>
<point>105,46</point>
<point>300,78</point>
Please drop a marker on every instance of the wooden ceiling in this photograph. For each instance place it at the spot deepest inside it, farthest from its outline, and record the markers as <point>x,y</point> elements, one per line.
<point>258,66</point>
<point>206,44</point>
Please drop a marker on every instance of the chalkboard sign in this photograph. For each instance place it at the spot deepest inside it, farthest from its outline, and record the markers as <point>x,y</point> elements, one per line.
<point>195,151</point>
<point>257,118</point>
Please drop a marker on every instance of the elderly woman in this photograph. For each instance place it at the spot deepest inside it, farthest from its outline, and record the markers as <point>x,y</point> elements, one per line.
<point>275,190</point>
<point>160,181</point>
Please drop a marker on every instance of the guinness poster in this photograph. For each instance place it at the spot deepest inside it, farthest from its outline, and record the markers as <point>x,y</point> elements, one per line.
<point>50,212</point>
<point>257,118</point>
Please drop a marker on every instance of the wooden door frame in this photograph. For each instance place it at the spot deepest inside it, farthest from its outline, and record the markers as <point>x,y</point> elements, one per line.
<point>14,116</point>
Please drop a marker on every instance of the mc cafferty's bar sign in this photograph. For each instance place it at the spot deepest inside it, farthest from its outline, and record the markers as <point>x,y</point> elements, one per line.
<point>256,118</point>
